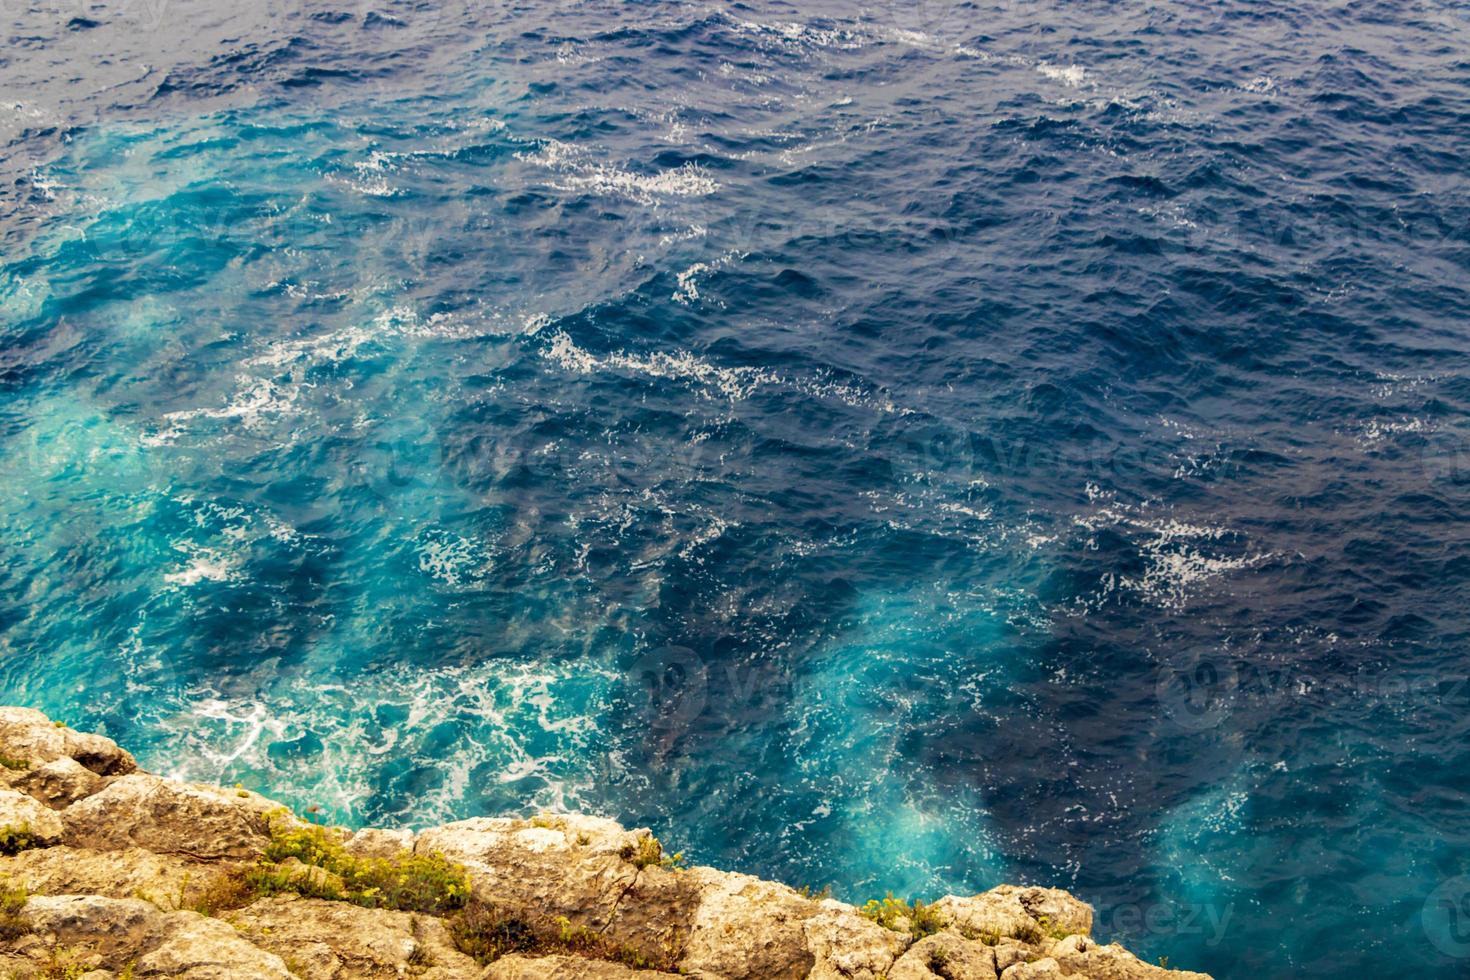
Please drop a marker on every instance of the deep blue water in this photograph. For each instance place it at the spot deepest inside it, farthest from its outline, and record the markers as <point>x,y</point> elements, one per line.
<point>905,447</point>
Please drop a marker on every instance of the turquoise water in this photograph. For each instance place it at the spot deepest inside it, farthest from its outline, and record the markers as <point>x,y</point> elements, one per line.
<point>906,451</point>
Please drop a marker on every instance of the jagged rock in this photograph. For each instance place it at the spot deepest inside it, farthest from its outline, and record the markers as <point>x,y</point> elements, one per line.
<point>1009,952</point>
<point>744,927</point>
<point>1080,955</point>
<point>1042,969</point>
<point>573,867</point>
<point>60,782</point>
<point>748,928</point>
<point>21,813</point>
<point>521,967</point>
<point>30,735</point>
<point>1009,910</point>
<point>333,939</point>
<point>945,956</point>
<point>846,944</point>
<point>199,948</point>
<point>72,918</point>
<point>169,817</point>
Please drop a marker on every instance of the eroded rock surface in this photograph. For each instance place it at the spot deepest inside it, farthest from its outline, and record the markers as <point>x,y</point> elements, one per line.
<point>117,872</point>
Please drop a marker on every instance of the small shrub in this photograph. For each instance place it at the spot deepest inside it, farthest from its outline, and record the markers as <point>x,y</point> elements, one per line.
<point>62,964</point>
<point>484,933</point>
<point>1030,934</point>
<point>409,882</point>
<point>13,763</point>
<point>1051,929</point>
<point>15,838</point>
<point>12,901</point>
<point>225,892</point>
<point>816,895</point>
<point>916,918</point>
<point>648,851</point>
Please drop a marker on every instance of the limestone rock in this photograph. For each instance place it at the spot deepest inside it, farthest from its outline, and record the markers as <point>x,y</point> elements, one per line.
<point>72,918</point>
<point>60,782</point>
<point>198,948</point>
<point>521,967</point>
<point>131,873</point>
<point>374,843</point>
<point>22,813</point>
<point>1079,955</point>
<point>1034,915</point>
<point>28,734</point>
<point>169,817</point>
<point>1042,969</point>
<point>746,928</point>
<point>1009,952</point>
<point>335,939</point>
<point>573,867</point>
<point>846,944</point>
<point>945,956</point>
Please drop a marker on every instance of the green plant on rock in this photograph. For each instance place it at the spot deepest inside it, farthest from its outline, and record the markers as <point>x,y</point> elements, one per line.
<point>649,852</point>
<point>13,763</point>
<point>1028,933</point>
<point>12,901</point>
<point>15,838</point>
<point>915,918</point>
<point>485,933</point>
<point>62,964</point>
<point>407,882</point>
<point>1051,929</point>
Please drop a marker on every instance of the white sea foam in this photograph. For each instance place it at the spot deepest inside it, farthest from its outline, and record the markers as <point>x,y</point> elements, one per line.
<point>344,344</point>
<point>453,559</point>
<point>496,707</point>
<point>582,173</point>
<point>734,383</point>
<point>1178,556</point>
<point>202,568</point>
<point>687,290</point>
<point>254,402</point>
<point>1377,430</point>
<point>370,176</point>
<point>792,33</point>
<point>1073,75</point>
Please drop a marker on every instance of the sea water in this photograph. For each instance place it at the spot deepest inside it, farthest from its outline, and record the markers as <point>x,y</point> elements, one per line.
<point>905,449</point>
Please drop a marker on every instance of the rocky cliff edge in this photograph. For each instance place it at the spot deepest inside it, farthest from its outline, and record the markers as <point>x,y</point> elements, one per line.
<point>108,872</point>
